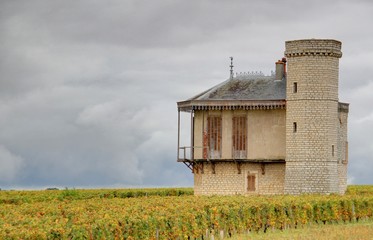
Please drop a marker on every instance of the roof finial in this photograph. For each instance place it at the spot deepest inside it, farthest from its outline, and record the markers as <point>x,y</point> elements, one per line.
<point>231,76</point>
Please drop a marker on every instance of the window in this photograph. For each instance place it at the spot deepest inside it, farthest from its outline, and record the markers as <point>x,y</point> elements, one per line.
<point>214,136</point>
<point>332,150</point>
<point>239,135</point>
<point>295,87</point>
<point>251,178</point>
<point>294,127</point>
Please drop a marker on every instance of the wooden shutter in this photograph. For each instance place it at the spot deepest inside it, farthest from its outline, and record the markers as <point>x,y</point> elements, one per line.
<point>214,129</point>
<point>251,183</point>
<point>239,137</point>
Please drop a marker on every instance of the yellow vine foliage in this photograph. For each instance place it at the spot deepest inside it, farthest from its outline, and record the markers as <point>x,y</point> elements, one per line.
<point>168,214</point>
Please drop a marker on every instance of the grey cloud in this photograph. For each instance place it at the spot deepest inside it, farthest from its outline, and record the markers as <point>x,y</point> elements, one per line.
<point>131,23</point>
<point>88,89</point>
<point>144,24</point>
<point>11,165</point>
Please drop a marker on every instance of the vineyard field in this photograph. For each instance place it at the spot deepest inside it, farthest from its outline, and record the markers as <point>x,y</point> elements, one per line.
<point>168,213</point>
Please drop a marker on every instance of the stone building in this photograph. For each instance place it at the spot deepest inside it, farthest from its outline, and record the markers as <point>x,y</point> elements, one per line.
<point>280,134</point>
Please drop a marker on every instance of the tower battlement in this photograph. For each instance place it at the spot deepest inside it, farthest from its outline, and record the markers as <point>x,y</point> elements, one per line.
<point>313,47</point>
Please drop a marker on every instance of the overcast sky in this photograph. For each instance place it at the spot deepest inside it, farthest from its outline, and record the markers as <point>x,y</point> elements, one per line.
<point>88,89</point>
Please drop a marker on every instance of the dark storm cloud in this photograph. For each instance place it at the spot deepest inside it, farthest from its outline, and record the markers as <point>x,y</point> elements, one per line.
<point>128,23</point>
<point>88,88</point>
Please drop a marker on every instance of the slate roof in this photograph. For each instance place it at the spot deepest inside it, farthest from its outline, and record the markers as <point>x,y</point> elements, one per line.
<point>241,91</point>
<point>261,88</point>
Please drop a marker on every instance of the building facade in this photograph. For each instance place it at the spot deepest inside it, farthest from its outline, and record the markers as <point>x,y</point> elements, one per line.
<point>280,134</point>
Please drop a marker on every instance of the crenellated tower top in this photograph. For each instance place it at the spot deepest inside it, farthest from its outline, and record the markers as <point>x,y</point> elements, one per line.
<point>313,47</point>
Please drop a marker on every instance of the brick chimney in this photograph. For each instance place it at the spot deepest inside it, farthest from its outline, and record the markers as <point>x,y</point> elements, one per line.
<point>281,69</point>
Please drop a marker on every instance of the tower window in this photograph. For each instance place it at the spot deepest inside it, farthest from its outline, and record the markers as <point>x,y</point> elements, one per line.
<point>295,127</point>
<point>295,87</point>
<point>332,150</point>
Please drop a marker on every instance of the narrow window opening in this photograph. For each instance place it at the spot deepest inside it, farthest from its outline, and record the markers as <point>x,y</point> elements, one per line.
<point>332,150</point>
<point>294,127</point>
<point>295,87</point>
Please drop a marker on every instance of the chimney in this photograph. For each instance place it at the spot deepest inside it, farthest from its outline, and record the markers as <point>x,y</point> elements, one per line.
<point>284,61</point>
<point>281,69</point>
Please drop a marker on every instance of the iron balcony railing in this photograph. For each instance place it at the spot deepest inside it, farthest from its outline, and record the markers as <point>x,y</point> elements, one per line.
<point>187,153</point>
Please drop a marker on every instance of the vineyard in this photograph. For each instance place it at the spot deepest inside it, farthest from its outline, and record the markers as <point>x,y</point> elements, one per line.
<point>168,213</point>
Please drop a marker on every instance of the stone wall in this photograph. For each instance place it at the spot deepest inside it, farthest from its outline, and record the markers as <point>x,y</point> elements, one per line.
<point>342,174</point>
<point>342,150</point>
<point>228,181</point>
<point>312,111</point>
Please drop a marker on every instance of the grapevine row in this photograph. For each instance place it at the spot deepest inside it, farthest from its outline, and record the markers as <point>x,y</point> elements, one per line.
<point>183,217</point>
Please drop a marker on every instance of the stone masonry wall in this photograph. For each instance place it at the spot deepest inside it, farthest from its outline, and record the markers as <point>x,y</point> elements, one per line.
<point>342,173</point>
<point>342,151</point>
<point>227,181</point>
<point>312,111</point>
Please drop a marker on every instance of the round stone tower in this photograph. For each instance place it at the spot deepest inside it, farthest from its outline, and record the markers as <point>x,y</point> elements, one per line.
<point>311,116</point>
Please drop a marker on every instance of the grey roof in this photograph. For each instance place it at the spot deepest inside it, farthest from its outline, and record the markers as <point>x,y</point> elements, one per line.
<point>245,91</point>
<point>246,87</point>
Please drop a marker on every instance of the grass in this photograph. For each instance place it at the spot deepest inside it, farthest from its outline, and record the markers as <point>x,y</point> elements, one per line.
<point>354,231</point>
